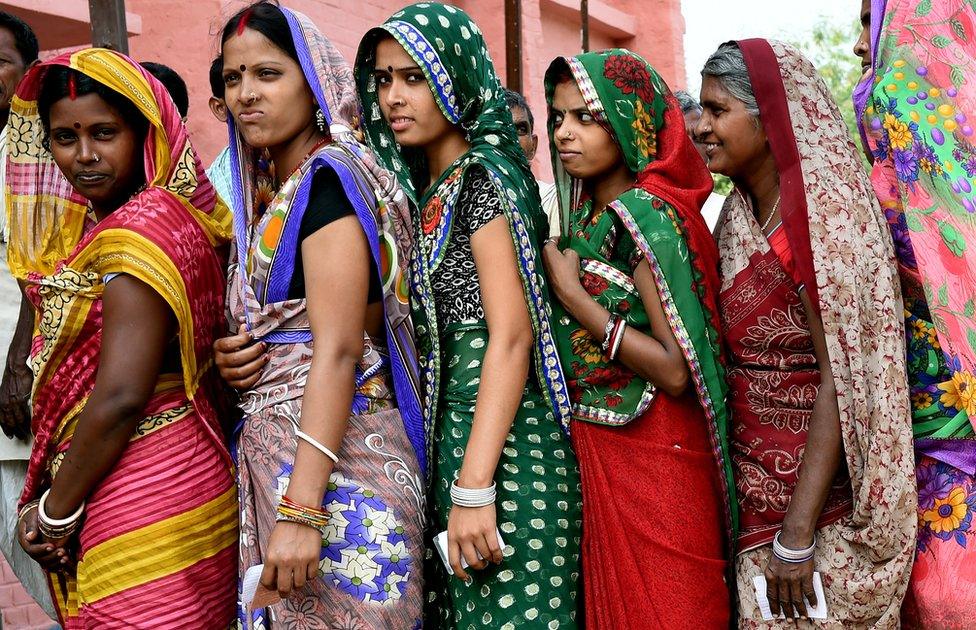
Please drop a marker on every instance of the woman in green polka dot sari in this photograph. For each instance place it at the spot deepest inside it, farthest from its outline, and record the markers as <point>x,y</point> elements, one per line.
<point>495,394</point>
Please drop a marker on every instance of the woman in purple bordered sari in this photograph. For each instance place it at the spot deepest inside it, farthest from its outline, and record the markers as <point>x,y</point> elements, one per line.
<point>323,256</point>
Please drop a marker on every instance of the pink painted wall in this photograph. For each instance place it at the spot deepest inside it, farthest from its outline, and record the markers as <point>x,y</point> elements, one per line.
<point>183,34</point>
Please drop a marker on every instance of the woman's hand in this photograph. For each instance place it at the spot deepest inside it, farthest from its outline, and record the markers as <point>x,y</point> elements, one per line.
<point>292,558</point>
<point>50,554</point>
<point>239,360</point>
<point>562,270</point>
<point>786,586</point>
<point>472,531</point>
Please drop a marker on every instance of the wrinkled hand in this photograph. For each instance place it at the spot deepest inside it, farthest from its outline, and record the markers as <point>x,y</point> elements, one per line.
<point>786,586</point>
<point>471,531</point>
<point>239,360</point>
<point>562,270</point>
<point>50,554</point>
<point>292,558</point>
<point>15,390</point>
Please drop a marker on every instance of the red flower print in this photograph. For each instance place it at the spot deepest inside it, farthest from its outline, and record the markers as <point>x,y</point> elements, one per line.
<point>594,285</point>
<point>629,75</point>
<point>624,306</point>
<point>613,400</point>
<point>612,377</point>
<point>431,215</point>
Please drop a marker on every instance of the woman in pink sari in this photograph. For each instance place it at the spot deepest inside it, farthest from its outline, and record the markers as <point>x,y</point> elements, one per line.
<point>917,108</point>
<point>129,502</point>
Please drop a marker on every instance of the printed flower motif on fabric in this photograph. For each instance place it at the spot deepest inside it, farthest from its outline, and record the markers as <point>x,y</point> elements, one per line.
<point>364,546</point>
<point>946,500</point>
<point>630,76</point>
<point>645,138</point>
<point>921,125</point>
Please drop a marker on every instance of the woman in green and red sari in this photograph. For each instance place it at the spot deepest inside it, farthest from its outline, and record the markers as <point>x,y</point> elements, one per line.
<point>636,325</point>
<point>917,110</point>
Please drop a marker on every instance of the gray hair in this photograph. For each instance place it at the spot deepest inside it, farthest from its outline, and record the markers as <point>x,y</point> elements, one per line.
<point>729,67</point>
<point>687,101</point>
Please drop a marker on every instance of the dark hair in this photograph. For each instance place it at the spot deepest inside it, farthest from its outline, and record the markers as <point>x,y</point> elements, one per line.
<point>58,85</point>
<point>173,83</point>
<point>217,77</point>
<point>514,99</point>
<point>265,18</point>
<point>24,38</point>
<point>687,102</point>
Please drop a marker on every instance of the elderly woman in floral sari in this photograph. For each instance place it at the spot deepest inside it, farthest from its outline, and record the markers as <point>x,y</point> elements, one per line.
<point>130,500</point>
<point>917,111</point>
<point>811,311</point>
<point>636,322</point>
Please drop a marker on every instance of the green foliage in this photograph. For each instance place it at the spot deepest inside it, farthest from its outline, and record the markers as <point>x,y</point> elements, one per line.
<point>723,185</point>
<point>830,48</point>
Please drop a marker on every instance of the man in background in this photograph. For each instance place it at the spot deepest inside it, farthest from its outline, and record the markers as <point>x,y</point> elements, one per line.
<point>525,128</point>
<point>692,111</point>
<point>219,172</point>
<point>19,51</point>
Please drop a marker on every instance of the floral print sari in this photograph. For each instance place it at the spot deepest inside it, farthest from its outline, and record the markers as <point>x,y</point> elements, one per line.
<point>916,109</point>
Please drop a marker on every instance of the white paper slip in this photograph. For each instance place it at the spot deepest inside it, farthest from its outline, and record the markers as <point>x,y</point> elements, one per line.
<point>253,594</point>
<point>249,585</point>
<point>820,612</point>
<point>440,541</point>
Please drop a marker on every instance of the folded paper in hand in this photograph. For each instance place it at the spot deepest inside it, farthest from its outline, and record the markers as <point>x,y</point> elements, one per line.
<point>253,594</point>
<point>818,612</point>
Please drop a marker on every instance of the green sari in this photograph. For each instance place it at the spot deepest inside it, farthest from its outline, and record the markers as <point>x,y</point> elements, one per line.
<point>646,457</point>
<point>538,505</point>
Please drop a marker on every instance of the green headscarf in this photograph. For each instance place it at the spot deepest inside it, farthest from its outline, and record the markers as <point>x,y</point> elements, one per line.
<point>451,51</point>
<point>661,214</point>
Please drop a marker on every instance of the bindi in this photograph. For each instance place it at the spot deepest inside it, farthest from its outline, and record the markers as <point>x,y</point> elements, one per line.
<point>77,125</point>
<point>389,69</point>
<point>243,67</point>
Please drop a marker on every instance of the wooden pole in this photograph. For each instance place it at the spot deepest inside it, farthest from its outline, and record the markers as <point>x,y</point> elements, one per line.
<point>585,18</point>
<point>108,24</point>
<point>513,45</point>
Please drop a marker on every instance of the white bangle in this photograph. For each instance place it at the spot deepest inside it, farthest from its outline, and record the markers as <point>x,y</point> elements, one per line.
<point>57,522</point>
<point>794,556</point>
<point>309,439</point>
<point>472,497</point>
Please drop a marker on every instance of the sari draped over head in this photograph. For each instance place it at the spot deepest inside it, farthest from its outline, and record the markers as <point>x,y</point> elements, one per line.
<point>451,51</point>
<point>916,113</point>
<point>843,258</point>
<point>662,214</point>
<point>166,236</point>
<point>265,267</point>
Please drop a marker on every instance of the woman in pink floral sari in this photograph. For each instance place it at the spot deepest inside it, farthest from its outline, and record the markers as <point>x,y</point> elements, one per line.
<point>915,104</point>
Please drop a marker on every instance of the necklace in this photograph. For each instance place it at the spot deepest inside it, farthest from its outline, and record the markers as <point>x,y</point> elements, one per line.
<point>318,145</point>
<point>771,215</point>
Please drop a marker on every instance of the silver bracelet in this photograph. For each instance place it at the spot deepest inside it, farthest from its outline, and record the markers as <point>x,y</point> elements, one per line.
<point>472,497</point>
<point>793,556</point>
<point>608,330</point>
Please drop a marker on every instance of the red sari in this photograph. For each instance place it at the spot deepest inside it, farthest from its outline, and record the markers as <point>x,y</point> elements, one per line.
<point>773,383</point>
<point>652,513</point>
